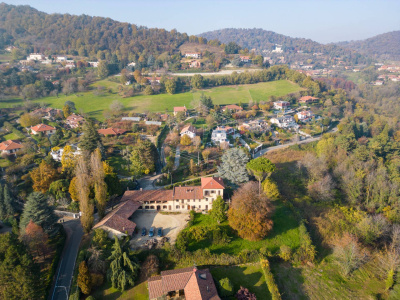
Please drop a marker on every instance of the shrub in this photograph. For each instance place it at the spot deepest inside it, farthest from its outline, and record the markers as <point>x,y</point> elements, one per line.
<point>244,294</point>
<point>285,252</point>
<point>372,228</point>
<point>269,278</point>
<point>97,279</point>
<point>390,279</point>
<point>225,287</point>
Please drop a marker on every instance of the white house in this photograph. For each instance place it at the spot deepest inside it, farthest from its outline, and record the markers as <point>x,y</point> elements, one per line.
<point>36,56</point>
<point>93,64</point>
<point>287,122</point>
<point>305,116</point>
<point>193,55</point>
<point>61,58</point>
<point>281,105</point>
<point>219,136</point>
<point>278,49</point>
<point>189,130</point>
<point>57,154</point>
<point>10,147</point>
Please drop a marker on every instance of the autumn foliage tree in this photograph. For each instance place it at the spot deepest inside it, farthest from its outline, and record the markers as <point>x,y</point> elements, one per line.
<point>84,278</point>
<point>68,160</point>
<point>100,187</point>
<point>250,213</point>
<point>43,176</point>
<point>36,239</point>
<point>83,187</point>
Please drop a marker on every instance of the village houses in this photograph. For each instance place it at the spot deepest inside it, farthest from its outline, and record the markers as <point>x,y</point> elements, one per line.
<point>74,121</point>
<point>286,122</point>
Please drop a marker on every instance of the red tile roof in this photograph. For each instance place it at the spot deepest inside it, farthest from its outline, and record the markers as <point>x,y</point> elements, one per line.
<point>197,284</point>
<point>180,108</point>
<point>111,131</point>
<point>188,192</point>
<point>118,218</point>
<point>148,195</point>
<point>42,127</point>
<point>307,98</point>
<point>232,107</point>
<point>212,183</point>
<point>75,118</point>
<point>10,145</point>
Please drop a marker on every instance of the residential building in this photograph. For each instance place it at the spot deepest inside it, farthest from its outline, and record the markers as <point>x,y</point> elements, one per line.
<point>154,80</point>
<point>219,136</point>
<point>132,119</point>
<point>227,129</point>
<point>305,116</point>
<point>232,108</point>
<point>193,55</point>
<point>278,49</point>
<point>10,147</point>
<point>287,122</point>
<point>378,82</point>
<point>244,59</point>
<point>179,199</point>
<point>308,99</point>
<point>195,64</point>
<point>61,58</point>
<point>111,131</point>
<point>57,154</point>
<point>70,65</point>
<point>188,283</point>
<point>93,64</point>
<point>47,112</point>
<point>281,105</point>
<point>74,121</point>
<point>43,128</point>
<point>157,123</point>
<point>189,130</point>
<point>178,109</point>
<point>254,125</point>
<point>36,56</point>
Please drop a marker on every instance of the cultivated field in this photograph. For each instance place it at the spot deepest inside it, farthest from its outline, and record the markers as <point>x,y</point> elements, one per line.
<point>94,104</point>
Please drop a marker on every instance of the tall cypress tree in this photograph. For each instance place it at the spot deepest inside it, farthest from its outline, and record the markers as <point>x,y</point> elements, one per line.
<point>37,210</point>
<point>90,138</point>
<point>3,211</point>
<point>8,202</point>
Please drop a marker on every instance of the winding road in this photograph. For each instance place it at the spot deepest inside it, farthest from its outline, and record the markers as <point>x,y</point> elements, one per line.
<point>65,271</point>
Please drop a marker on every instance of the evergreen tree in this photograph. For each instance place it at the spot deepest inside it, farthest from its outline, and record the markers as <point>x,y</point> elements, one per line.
<point>3,211</point>
<point>123,270</point>
<point>84,278</point>
<point>219,209</point>
<point>90,137</point>
<point>18,273</point>
<point>233,166</point>
<point>37,210</point>
<point>103,70</point>
<point>8,202</point>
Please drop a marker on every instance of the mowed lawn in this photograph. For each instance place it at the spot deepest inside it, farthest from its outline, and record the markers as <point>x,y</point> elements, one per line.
<point>106,292</point>
<point>249,276</point>
<point>94,104</point>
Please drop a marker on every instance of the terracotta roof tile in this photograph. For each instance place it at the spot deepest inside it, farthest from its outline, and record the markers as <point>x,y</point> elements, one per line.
<point>42,127</point>
<point>188,192</point>
<point>111,131</point>
<point>212,183</point>
<point>148,195</point>
<point>10,145</point>
<point>188,128</point>
<point>180,108</point>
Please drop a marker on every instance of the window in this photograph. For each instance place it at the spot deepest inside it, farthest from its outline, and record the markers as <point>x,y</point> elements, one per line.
<point>199,206</point>
<point>219,193</point>
<point>206,199</point>
<point>177,207</point>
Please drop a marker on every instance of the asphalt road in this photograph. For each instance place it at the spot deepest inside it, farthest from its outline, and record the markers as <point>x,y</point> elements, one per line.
<point>65,270</point>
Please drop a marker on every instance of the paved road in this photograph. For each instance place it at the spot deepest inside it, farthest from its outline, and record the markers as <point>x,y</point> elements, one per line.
<point>306,141</point>
<point>65,270</point>
<point>177,157</point>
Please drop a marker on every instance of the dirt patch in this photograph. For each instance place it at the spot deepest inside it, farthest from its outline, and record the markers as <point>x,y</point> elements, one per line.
<point>171,225</point>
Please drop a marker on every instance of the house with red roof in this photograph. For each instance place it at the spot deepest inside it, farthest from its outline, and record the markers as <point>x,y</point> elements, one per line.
<point>308,99</point>
<point>232,108</point>
<point>43,128</point>
<point>10,147</point>
<point>179,199</point>
<point>178,109</point>
<point>74,121</point>
<point>244,58</point>
<point>189,130</point>
<point>111,131</point>
<point>188,283</point>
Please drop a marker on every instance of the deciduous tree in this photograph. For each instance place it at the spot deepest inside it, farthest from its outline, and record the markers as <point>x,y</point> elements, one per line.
<point>186,140</point>
<point>36,239</point>
<point>100,187</point>
<point>219,209</point>
<point>84,279</point>
<point>43,176</point>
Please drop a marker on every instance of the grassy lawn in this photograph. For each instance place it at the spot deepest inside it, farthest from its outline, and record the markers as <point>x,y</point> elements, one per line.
<point>285,232</point>
<point>11,136</point>
<point>249,276</point>
<point>94,105</point>
<point>106,292</point>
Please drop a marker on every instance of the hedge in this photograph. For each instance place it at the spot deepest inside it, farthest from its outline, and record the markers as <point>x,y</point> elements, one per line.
<point>269,278</point>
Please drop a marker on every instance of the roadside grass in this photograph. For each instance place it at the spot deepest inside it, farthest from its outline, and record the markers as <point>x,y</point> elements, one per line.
<point>106,292</point>
<point>284,232</point>
<point>249,276</point>
<point>324,281</point>
<point>94,105</point>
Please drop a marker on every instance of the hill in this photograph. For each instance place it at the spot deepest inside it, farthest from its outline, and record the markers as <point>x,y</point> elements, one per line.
<point>35,31</point>
<point>382,46</point>
<point>260,40</point>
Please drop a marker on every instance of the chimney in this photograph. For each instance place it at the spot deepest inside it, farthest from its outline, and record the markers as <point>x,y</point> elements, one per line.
<point>141,189</point>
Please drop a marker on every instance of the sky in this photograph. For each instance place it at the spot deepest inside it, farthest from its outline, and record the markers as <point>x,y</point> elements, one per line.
<point>324,21</point>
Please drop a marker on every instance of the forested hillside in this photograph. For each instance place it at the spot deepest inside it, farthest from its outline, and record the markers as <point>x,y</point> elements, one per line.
<point>383,46</point>
<point>261,39</point>
<point>35,31</point>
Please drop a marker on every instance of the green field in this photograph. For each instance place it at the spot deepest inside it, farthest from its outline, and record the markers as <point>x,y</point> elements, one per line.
<point>94,105</point>
<point>249,276</point>
<point>284,232</point>
<point>106,292</point>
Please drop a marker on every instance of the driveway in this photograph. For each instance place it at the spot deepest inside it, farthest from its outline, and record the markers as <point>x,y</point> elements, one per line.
<point>171,224</point>
<point>65,270</point>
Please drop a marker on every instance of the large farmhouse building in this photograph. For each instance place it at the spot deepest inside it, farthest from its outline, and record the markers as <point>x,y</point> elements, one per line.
<point>179,199</point>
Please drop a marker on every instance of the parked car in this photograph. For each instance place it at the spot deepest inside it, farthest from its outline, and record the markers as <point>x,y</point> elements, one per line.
<point>143,231</point>
<point>151,232</point>
<point>159,232</point>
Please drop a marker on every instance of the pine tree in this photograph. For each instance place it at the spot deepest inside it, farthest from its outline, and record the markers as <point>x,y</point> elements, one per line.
<point>8,202</point>
<point>123,270</point>
<point>90,137</point>
<point>84,278</point>
<point>37,210</point>
<point>233,166</point>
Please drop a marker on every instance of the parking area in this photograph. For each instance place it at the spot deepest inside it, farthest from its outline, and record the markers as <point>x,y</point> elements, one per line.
<point>171,225</point>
